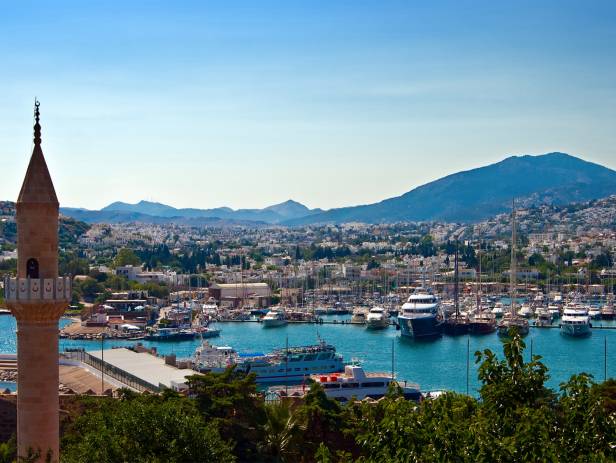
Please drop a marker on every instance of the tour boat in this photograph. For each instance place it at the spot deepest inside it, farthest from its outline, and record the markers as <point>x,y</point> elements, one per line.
<point>274,318</point>
<point>292,364</point>
<point>171,334</point>
<point>420,316</point>
<point>354,383</point>
<point>377,319</point>
<point>575,321</point>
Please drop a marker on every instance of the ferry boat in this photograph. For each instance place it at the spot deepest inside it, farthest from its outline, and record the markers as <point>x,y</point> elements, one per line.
<point>377,319</point>
<point>292,364</point>
<point>420,316</point>
<point>170,334</point>
<point>575,321</point>
<point>353,383</point>
<point>274,318</point>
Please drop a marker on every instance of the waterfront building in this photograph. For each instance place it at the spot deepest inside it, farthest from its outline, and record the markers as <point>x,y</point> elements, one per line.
<point>37,298</point>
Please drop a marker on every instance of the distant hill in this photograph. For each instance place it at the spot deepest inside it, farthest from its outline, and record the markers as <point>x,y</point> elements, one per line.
<point>473,195</point>
<point>152,212</point>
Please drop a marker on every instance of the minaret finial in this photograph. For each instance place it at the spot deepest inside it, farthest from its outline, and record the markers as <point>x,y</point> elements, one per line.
<point>37,126</point>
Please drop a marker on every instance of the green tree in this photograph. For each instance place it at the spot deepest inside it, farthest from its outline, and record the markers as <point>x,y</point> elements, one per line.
<point>142,428</point>
<point>126,256</point>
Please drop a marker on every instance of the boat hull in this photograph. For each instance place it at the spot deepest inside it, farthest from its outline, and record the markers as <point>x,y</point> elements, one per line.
<point>481,328</point>
<point>420,327</point>
<point>575,330</point>
<point>273,323</point>
<point>453,328</point>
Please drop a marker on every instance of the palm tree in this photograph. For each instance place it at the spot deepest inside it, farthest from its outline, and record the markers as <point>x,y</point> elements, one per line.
<point>281,432</point>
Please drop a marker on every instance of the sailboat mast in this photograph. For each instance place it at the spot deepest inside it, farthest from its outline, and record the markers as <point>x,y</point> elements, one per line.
<point>456,289</point>
<point>513,269</point>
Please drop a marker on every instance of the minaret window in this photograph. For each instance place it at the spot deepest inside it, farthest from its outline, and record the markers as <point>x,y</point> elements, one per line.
<point>32,268</point>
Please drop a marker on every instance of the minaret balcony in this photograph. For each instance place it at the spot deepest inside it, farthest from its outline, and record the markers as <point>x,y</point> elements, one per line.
<point>37,289</point>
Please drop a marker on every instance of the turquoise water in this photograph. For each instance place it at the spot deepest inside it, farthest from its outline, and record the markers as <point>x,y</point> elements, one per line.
<point>439,364</point>
<point>8,385</point>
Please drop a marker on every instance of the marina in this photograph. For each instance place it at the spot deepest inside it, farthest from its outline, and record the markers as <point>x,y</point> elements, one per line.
<point>434,365</point>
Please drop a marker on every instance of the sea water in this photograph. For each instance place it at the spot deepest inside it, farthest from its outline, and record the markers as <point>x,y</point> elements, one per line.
<point>439,364</point>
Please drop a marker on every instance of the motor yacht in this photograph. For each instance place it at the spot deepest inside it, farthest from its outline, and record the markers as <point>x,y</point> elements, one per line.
<point>377,319</point>
<point>575,321</point>
<point>420,316</point>
<point>274,318</point>
<point>498,310</point>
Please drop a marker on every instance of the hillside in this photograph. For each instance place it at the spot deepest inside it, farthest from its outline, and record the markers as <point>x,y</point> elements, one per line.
<point>470,196</point>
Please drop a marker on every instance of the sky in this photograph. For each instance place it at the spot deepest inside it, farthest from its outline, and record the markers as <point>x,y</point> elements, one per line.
<point>331,103</point>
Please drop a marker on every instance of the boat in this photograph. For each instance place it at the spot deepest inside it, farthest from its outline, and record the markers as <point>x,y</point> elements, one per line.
<point>420,316</point>
<point>354,383</point>
<point>594,313</point>
<point>607,312</point>
<point>377,319</point>
<point>170,334</point>
<point>575,321</point>
<point>498,310</point>
<point>482,322</point>
<point>456,323</point>
<point>5,312</point>
<point>291,364</point>
<point>554,311</point>
<point>544,317</point>
<point>512,320</point>
<point>208,332</point>
<point>274,318</point>
<point>359,315</point>
<point>526,311</point>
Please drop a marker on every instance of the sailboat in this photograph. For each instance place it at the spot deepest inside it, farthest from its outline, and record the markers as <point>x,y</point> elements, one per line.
<point>456,324</point>
<point>482,321</point>
<point>512,319</point>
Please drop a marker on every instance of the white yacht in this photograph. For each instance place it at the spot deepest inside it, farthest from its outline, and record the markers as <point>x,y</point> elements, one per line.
<point>554,311</point>
<point>575,321</point>
<point>377,319</point>
<point>353,383</point>
<point>274,318</point>
<point>498,310</point>
<point>526,311</point>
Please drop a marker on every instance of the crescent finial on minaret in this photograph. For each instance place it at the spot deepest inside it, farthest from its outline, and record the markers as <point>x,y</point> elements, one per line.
<point>37,125</point>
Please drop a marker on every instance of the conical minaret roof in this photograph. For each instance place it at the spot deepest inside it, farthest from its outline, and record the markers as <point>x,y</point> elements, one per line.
<point>37,186</point>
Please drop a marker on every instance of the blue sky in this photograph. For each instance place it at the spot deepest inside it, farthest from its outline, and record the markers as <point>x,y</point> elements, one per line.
<point>245,104</point>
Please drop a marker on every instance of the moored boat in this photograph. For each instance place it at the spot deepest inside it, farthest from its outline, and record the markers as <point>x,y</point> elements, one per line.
<point>420,316</point>
<point>354,383</point>
<point>274,318</point>
<point>575,321</point>
<point>377,319</point>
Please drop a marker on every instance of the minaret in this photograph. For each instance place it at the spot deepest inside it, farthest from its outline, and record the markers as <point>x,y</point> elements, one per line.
<point>37,298</point>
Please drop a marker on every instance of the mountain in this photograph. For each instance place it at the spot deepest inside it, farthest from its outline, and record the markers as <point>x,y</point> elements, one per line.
<point>469,196</point>
<point>152,212</point>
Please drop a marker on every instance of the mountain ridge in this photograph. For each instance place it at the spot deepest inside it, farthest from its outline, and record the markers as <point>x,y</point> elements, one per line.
<point>466,196</point>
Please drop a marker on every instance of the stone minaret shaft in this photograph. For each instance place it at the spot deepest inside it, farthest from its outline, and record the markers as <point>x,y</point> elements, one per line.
<point>37,298</point>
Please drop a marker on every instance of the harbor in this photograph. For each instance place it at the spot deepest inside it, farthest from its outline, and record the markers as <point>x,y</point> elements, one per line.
<point>443,364</point>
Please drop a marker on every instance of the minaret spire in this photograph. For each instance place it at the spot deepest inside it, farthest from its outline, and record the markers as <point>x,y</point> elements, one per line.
<point>37,186</point>
<point>37,125</point>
